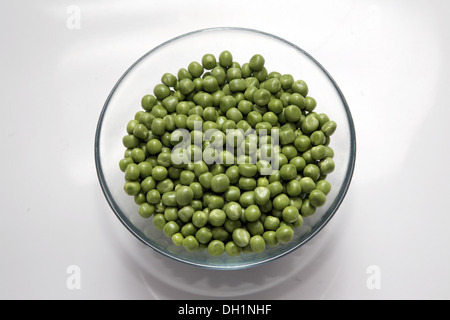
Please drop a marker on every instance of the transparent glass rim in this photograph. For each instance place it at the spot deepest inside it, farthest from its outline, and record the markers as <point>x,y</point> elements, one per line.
<point>139,235</point>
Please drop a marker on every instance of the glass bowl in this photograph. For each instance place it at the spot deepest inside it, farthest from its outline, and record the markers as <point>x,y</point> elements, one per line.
<point>139,80</point>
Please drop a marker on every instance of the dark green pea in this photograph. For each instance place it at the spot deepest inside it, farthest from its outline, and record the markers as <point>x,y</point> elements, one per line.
<point>298,100</point>
<point>292,113</point>
<point>171,228</point>
<point>280,202</point>
<point>217,217</point>
<point>153,196</point>
<point>241,237</point>
<point>307,184</point>
<point>318,152</point>
<point>205,179</point>
<point>302,143</point>
<point>310,124</point>
<point>225,59</point>
<point>131,125</point>
<point>215,202</point>
<point>146,210</point>
<point>324,186</point>
<point>161,91</point>
<point>288,172</point>
<point>326,166</point>
<point>329,128</point>
<point>159,221</point>
<point>138,155</point>
<point>159,173</point>
<point>171,213</point>
<point>300,86</point>
<point>286,81</point>
<point>270,117</point>
<point>132,172</point>
<point>232,194</point>
<point>148,102</point>
<point>275,105</point>
<point>220,74</point>
<point>220,183</point>
<point>232,249</point>
<point>252,213</point>
<point>273,85</point>
<point>169,79</point>
<point>286,136</point>
<point>186,86</point>
<point>284,234</point>
<point>232,173</point>
<point>203,235</point>
<point>262,195</point>
<point>262,97</point>
<point>169,198</point>
<point>123,163</point>
<point>216,248</point>
<point>307,209</point>
<point>130,141</point>
<point>154,146</point>
<point>290,214</point>
<point>234,114</point>
<point>255,227</point>
<point>185,195</point>
<point>210,84</point>
<point>312,171</point>
<point>317,138</point>
<point>310,104</point>
<point>261,75</point>
<point>317,198</point>
<point>209,61</point>
<point>247,198</point>
<point>238,85</point>
<point>187,177</point>
<point>271,223</point>
<point>293,188</point>
<point>257,244</point>
<point>233,73</point>
<point>247,184</point>
<point>145,169</point>
<point>199,219</point>
<point>275,188</point>
<point>289,151</point>
<point>190,243</point>
<point>270,238</point>
<point>195,69</point>
<point>256,62</point>
<point>148,184</point>
<point>247,170</point>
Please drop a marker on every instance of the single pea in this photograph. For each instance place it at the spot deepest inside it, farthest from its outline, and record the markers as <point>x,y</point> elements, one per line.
<point>159,173</point>
<point>170,228</point>
<point>169,79</point>
<point>307,184</point>
<point>286,136</point>
<point>318,152</point>
<point>254,118</point>
<point>153,196</point>
<point>256,62</point>
<point>317,138</point>
<point>199,219</point>
<point>271,223</point>
<point>257,244</point>
<point>132,172</point>
<point>205,179</point>
<point>138,155</point>
<point>293,188</point>
<point>148,102</point>
<point>123,163</point>
<point>312,171</point>
<point>310,103</point>
<point>190,243</point>
<point>307,209</point>
<point>270,238</point>
<point>209,61</point>
<point>158,126</point>
<point>289,151</point>
<point>184,195</point>
<point>292,113</point>
<point>231,225</point>
<point>187,177</point>
<point>227,102</point>
<point>262,195</point>
<point>195,69</point>
<point>326,166</point>
<point>247,199</point>
<point>210,84</point>
<point>203,235</point>
<point>290,214</point>
<point>146,210</point>
<point>262,97</point>
<point>252,213</point>
<point>154,146</point>
<point>284,234</point>
<point>220,74</point>
<point>247,184</point>
<point>159,221</point>
<point>232,249</point>
<point>165,185</point>
<point>286,81</point>
<point>234,114</point>
<point>220,183</point>
<point>186,86</point>
<point>298,100</point>
<point>275,188</point>
<point>169,198</point>
<point>225,59</point>
<point>255,227</point>
<point>329,128</point>
<point>280,202</point>
<point>241,237</point>
<point>310,124</point>
<point>300,86</point>
<point>232,194</point>
<point>288,172</point>
<point>233,210</point>
<point>317,198</point>
<point>217,217</point>
<point>302,143</point>
<point>177,239</point>
<point>216,248</point>
<point>324,186</point>
<point>130,141</point>
<point>170,213</point>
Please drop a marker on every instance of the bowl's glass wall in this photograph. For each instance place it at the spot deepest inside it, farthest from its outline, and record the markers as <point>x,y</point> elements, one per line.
<point>140,79</point>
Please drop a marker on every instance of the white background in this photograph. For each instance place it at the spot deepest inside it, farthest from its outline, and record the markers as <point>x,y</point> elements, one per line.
<point>390,59</point>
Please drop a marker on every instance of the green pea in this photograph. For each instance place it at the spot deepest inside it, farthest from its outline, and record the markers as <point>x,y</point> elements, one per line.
<point>184,195</point>
<point>290,214</point>
<point>203,235</point>
<point>132,172</point>
<point>233,210</point>
<point>284,234</point>
<point>293,188</point>
<point>300,86</point>
<point>329,128</point>
<point>317,198</point>
<point>159,221</point>
<point>232,194</point>
<point>247,184</point>
<point>247,199</point>
<point>317,138</point>
<point>217,217</point>
<point>241,237</point>
<point>186,86</point>
<point>286,81</point>
<point>232,249</point>
<point>256,62</point>
<point>326,166</point>
<point>220,183</point>
<point>288,172</point>
<point>280,202</point>
<point>307,209</point>
<point>130,141</point>
<point>209,61</point>
<point>318,152</point>
<point>324,186</point>
<point>255,227</point>
<point>292,113</point>
<point>171,228</point>
<point>262,97</point>
<point>310,104</point>
<point>252,213</point>
<point>216,248</point>
<point>262,195</point>
<point>148,102</point>
<point>195,69</point>
<point>225,59</point>
<point>146,210</point>
<point>199,219</point>
<point>257,244</point>
<point>312,171</point>
<point>190,243</point>
<point>310,124</point>
<point>270,238</point>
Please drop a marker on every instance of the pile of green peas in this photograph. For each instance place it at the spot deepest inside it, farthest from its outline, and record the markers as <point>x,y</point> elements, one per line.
<point>228,206</point>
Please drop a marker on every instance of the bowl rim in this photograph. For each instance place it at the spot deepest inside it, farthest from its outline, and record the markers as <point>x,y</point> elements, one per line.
<point>138,234</point>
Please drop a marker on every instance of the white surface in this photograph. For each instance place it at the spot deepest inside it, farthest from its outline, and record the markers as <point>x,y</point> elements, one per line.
<point>389,59</point>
